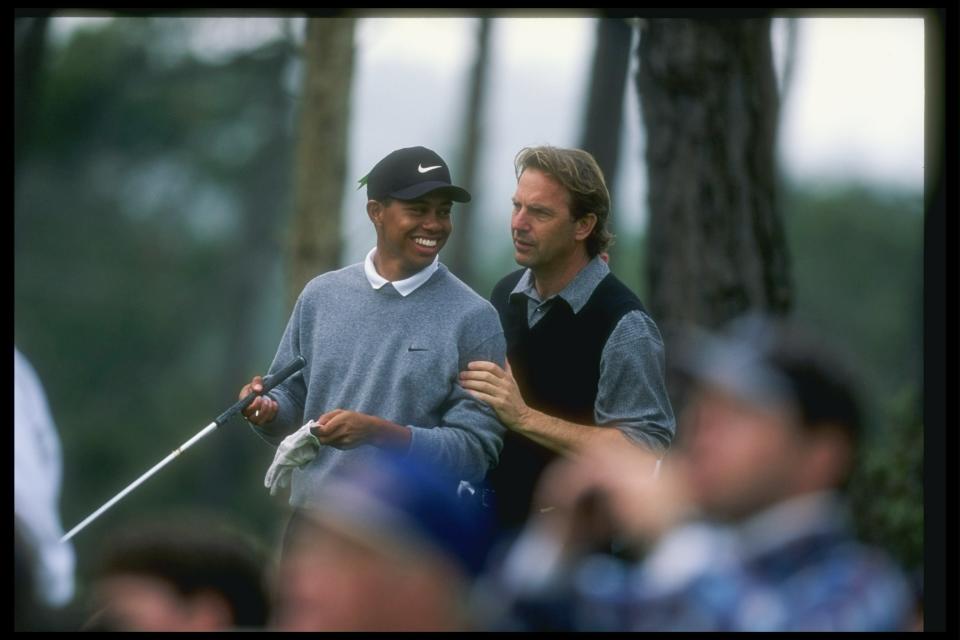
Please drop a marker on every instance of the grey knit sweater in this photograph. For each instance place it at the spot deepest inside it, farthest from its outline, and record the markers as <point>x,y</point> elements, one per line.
<point>377,352</point>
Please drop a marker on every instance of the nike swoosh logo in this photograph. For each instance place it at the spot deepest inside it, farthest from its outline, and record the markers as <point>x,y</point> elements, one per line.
<point>423,169</point>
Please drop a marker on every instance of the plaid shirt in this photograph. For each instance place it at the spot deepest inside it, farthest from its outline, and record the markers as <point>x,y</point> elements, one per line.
<point>758,577</point>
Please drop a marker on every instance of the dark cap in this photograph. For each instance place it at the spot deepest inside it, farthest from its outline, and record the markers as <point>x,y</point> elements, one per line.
<point>411,172</point>
<point>771,362</point>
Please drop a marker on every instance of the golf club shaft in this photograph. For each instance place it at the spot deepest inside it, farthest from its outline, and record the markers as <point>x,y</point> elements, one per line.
<point>268,383</point>
<point>186,445</point>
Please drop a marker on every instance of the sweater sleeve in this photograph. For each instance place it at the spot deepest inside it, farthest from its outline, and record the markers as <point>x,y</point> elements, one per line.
<point>290,395</point>
<point>632,395</point>
<point>469,437</point>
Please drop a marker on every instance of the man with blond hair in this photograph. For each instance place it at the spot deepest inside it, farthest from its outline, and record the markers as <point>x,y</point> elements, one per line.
<point>585,360</point>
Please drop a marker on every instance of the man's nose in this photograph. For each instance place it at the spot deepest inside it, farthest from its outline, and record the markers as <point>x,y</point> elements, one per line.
<point>431,220</point>
<point>520,222</point>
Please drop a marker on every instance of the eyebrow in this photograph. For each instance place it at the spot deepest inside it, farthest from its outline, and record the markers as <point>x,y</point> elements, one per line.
<point>537,207</point>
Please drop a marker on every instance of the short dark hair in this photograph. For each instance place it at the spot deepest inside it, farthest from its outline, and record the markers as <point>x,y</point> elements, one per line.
<point>578,172</point>
<point>822,381</point>
<point>194,553</point>
<point>765,358</point>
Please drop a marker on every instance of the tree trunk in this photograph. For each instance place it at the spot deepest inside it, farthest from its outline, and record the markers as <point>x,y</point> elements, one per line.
<point>321,157</point>
<point>457,253</point>
<point>716,244</point>
<point>603,123</point>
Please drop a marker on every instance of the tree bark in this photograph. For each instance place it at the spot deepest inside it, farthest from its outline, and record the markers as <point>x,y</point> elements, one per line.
<point>604,119</point>
<point>716,245</point>
<point>321,157</point>
<point>457,253</point>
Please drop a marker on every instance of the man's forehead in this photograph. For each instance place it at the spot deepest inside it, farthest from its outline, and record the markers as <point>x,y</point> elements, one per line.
<point>541,185</point>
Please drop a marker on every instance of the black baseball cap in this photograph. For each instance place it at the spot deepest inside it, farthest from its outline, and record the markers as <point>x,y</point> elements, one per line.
<point>411,172</point>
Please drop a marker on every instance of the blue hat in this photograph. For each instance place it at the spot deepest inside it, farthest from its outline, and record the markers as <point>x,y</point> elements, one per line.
<point>406,501</point>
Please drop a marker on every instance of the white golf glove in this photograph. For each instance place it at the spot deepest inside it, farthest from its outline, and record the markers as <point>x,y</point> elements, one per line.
<point>296,450</point>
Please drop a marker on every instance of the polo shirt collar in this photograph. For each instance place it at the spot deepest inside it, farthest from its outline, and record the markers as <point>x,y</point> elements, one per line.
<point>404,287</point>
<point>577,292</point>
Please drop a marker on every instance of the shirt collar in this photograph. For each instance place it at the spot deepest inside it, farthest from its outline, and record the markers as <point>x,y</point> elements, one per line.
<point>577,292</point>
<point>404,287</point>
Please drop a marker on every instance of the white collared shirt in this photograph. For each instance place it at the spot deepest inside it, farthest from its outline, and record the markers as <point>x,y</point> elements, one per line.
<point>404,287</point>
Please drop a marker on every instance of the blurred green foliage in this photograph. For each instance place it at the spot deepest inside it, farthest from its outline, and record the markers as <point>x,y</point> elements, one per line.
<point>133,291</point>
<point>857,256</point>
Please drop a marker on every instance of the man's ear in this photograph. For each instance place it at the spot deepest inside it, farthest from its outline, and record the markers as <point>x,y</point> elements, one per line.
<point>829,458</point>
<point>375,212</point>
<point>583,227</point>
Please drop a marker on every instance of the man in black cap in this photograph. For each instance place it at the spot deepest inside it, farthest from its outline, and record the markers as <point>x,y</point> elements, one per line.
<point>384,341</point>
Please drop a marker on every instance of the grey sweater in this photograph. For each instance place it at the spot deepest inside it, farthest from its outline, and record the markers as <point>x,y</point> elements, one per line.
<point>377,352</point>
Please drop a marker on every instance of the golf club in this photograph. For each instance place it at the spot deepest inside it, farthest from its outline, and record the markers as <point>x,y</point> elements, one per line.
<point>269,382</point>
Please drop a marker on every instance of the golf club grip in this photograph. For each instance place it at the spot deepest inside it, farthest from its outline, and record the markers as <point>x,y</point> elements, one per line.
<point>273,380</point>
<point>269,382</point>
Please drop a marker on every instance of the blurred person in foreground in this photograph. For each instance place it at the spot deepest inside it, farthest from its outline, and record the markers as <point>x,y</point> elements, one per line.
<point>586,361</point>
<point>388,547</point>
<point>37,477</point>
<point>190,572</point>
<point>383,342</point>
<point>746,527</point>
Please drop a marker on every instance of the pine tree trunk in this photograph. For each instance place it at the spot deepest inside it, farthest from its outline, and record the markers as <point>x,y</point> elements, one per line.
<point>321,158</point>
<point>716,244</point>
<point>457,253</point>
<point>604,120</point>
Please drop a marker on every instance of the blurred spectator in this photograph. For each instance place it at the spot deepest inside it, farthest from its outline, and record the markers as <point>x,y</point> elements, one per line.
<point>37,474</point>
<point>745,529</point>
<point>388,547</point>
<point>185,573</point>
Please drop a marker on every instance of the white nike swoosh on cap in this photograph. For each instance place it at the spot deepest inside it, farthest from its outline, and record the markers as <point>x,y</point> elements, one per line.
<point>423,169</point>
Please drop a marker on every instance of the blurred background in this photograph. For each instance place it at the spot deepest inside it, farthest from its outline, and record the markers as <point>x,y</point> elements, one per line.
<point>178,180</point>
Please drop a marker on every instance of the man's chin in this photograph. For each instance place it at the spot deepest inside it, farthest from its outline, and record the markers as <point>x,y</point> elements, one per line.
<point>523,259</point>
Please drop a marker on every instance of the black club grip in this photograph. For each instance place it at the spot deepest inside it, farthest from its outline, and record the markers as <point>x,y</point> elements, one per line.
<point>269,382</point>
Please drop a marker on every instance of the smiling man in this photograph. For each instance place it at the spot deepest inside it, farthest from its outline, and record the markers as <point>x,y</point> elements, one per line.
<point>586,360</point>
<point>384,341</point>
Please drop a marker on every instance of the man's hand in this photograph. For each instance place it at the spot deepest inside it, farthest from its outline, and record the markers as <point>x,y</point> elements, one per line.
<point>344,429</point>
<point>487,382</point>
<point>263,409</point>
<point>642,506</point>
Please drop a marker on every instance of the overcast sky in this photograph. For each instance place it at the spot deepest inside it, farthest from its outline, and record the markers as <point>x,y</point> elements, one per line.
<point>854,109</point>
